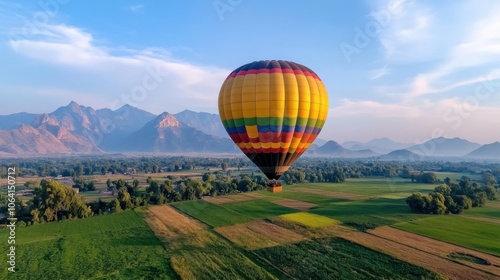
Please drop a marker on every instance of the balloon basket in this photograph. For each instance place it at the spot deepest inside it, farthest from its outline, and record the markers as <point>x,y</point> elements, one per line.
<point>274,186</point>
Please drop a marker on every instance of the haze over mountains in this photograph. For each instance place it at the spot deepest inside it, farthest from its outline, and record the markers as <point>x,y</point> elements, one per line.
<point>77,129</point>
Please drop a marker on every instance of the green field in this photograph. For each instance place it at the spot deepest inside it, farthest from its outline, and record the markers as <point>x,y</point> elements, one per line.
<point>290,193</point>
<point>479,235</point>
<point>375,187</point>
<point>336,258</point>
<point>233,213</point>
<point>368,214</point>
<point>487,211</point>
<point>123,246</point>
<point>115,246</point>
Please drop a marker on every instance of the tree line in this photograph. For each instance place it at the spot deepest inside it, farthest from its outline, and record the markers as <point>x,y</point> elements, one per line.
<point>452,197</point>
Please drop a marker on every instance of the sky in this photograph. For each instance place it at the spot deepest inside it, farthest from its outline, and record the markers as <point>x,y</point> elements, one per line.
<point>407,70</point>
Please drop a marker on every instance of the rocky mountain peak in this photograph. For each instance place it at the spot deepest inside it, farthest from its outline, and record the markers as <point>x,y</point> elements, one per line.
<point>166,120</point>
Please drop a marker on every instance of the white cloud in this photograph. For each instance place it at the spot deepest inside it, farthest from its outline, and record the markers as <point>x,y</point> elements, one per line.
<point>406,28</point>
<point>415,123</point>
<point>150,79</point>
<point>374,109</point>
<point>377,73</point>
<point>455,46</point>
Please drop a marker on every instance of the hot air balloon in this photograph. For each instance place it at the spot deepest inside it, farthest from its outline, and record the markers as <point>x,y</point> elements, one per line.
<point>273,110</point>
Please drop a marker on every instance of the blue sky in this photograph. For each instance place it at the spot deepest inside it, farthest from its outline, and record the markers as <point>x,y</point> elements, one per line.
<point>407,70</point>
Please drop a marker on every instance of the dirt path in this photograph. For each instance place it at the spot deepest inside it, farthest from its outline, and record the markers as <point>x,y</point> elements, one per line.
<point>402,245</point>
<point>334,194</point>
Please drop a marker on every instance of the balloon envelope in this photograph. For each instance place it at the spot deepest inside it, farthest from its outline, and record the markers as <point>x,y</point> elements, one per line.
<point>273,110</point>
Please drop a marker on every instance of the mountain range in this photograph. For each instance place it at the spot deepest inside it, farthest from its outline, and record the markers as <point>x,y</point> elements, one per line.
<point>77,129</point>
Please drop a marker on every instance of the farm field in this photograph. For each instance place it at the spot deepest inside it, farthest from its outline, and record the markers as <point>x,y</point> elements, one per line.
<point>479,235</point>
<point>360,229</point>
<point>114,246</point>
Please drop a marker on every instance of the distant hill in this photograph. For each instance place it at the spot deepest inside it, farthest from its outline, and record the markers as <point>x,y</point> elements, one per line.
<point>444,147</point>
<point>27,140</point>
<point>120,123</point>
<point>402,154</point>
<point>378,145</point>
<point>167,135</point>
<point>77,129</point>
<point>488,151</point>
<point>332,148</point>
<point>319,141</point>
<point>206,122</point>
<point>16,120</point>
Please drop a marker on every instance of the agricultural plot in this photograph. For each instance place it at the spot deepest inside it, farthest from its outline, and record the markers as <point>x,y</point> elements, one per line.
<point>259,234</point>
<point>444,266</point>
<point>291,193</point>
<point>309,220</point>
<point>478,235</point>
<point>333,194</point>
<point>368,214</point>
<point>170,223</point>
<point>477,260</point>
<point>197,253</point>
<point>491,210</point>
<point>375,187</point>
<point>103,247</point>
<point>232,213</point>
<point>336,258</point>
<point>295,204</point>
<point>233,198</point>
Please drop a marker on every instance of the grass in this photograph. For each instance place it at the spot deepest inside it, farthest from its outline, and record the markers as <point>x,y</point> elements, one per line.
<point>116,246</point>
<point>205,255</point>
<point>290,193</point>
<point>478,235</point>
<point>374,187</point>
<point>233,213</point>
<point>310,220</point>
<point>336,258</point>
<point>368,214</point>
<point>489,212</point>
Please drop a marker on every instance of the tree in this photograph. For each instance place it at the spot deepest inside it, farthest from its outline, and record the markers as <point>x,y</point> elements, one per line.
<point>488,179</point>
<point>405,173</point>
<point>115,206</point>
<point>490,192</point>
<point>55,201</point>
<point>437,205</point>
<point>124,198</point>
<point>447,181</point>
<point>428,178</point>
<point>417,203</point>
<point>208,177</point>
<point>443,189</point>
